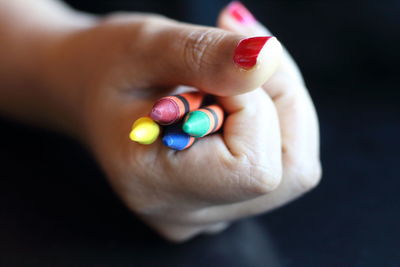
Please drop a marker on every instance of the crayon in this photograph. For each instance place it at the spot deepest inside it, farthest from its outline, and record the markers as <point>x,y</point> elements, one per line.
<point>203,121</point>
<point>144,131</point>
<point>171,109</point>
<point>176,139</point>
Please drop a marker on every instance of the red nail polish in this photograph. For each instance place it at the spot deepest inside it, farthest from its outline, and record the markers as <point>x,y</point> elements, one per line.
<point>240,13</point>
<point>247,51</point>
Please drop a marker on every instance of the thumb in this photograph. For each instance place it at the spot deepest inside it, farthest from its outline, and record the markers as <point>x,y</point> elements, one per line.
<point>216,61</point>
<point>237,18</point>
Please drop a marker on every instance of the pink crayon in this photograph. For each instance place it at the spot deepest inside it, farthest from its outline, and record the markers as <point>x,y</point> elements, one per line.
<point>171,109</point>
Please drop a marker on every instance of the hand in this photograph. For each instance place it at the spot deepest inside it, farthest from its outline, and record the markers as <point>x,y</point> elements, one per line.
<point>125,63</point>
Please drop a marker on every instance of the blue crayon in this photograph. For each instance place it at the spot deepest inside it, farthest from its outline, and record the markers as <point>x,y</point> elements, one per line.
<point>175,138</point>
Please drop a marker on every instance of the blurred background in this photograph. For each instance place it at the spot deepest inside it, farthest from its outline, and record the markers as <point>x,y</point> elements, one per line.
<point>56,208</point>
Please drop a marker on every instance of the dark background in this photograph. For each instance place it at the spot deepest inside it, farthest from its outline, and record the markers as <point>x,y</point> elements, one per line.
<point>56,208</point>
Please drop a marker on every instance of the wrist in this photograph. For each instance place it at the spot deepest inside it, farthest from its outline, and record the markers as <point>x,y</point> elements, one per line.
<point>31,33</point>
<point>56,75</point>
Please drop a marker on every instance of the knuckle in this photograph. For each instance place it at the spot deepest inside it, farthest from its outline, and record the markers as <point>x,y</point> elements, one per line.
<point>216,228</point>
<point>182,233</point>
<point>259,178</point>
<point>130,33</point>
<point>148,209</point>
<point>264,181</point>
<point>307,178</point>
<point>174,237</point>
<point>197,48</point>
<point>149,21</point>
<point>177,233</point>
<point>146,24</point>
<point>124,17</point>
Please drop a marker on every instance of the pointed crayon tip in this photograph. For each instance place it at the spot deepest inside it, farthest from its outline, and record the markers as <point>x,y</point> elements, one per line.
<point>144,131</point>
<point>196,124</point>
<point>138,134</point>
<point>168,141</point>
<point>187,127</point>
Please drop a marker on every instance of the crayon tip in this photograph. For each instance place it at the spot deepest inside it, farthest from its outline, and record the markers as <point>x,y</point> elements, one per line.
<point>179,141</point>
<point>165,111</point>
<point>187,127</point>
<point>144,131</point>
<point>168,141</point>
<point>197,124</point>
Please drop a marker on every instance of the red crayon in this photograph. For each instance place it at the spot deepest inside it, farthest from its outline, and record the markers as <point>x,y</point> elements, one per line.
<point>171,109</point>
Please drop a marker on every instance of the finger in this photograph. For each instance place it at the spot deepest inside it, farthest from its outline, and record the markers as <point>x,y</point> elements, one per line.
<point>300,140</point>
<point>301,166</point>
<point>216,61</point>
<point>178,233</point>
<point>242,163</point>
<point>216,228</point>
<point>297,116</point>
<point>238,19</point>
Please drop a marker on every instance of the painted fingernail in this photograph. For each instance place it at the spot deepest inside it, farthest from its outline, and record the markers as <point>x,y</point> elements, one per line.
<point>240,13</point>
<point>248,50</point>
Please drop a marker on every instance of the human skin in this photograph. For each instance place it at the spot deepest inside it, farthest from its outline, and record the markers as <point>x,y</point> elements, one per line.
<point>91,77</point>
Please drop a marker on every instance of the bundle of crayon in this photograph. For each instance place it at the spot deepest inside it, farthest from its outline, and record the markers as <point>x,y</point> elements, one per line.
<point>183,118</point>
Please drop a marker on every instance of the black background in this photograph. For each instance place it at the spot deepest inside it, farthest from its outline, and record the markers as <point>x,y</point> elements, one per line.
<point>56,208</point>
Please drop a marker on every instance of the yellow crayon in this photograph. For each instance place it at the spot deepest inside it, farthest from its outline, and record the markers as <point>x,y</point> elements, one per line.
<point>144,131</point>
